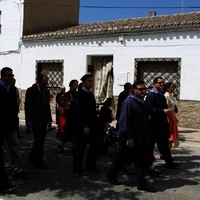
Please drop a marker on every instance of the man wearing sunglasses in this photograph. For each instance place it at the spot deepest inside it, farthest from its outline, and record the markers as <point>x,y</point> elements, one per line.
<point>158,123</point>
<point>134,137</point>
<point>8,127</point>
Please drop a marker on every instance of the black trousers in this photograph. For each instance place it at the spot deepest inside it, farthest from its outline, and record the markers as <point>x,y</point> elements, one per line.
<point>139,157</point>
<point>163,147</point>
<point>3,174</point>
<point>36,154</point>
<point>92,154</point>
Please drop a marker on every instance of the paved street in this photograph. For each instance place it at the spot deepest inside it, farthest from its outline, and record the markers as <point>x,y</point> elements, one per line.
<point>59,182</point>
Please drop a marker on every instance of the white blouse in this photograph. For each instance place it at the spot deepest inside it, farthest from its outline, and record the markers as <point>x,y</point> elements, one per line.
<point>170,100</point>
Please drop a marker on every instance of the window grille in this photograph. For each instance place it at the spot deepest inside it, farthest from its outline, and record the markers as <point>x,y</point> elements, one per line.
<point>168,68</point>
<point>54,69</point>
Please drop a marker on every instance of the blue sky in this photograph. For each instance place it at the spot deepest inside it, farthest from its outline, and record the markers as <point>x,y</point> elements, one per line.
<point>105,14</point>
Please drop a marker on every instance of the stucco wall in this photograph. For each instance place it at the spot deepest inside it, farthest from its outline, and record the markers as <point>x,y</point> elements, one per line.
<point>11,26</point>
<point>75,53</point>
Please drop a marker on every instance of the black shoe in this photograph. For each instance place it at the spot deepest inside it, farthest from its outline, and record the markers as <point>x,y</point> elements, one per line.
<point>113,181</point>
<point>40,166</point>
<point>173,165</point>
<point>7,188</point>
<point>147,188</point>
<point>22,174</point>
<point>80,172</point>
<point>92,170</point>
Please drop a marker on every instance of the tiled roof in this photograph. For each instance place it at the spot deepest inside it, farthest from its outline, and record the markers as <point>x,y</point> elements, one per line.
<point>132,25</point>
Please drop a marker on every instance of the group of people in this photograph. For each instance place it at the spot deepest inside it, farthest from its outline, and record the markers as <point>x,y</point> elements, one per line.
<point>140,124</point>
<point>146,119</point>
<point>143,120</point>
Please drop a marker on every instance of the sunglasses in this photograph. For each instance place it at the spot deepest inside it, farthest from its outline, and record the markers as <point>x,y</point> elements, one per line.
<point>141,89</point>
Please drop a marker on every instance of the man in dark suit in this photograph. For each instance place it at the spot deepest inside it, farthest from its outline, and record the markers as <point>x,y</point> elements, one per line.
<point>38,116</point>
<point>87,127</point>
<point>8,126</point>
<point>158,123</point>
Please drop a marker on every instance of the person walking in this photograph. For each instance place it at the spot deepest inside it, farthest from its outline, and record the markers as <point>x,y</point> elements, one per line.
<point>38,117</point>
<point>9,109</point>
<point>66,122</point>
<point>158,123</point>
<point>134,137</point>
<point>87,128</point>
<point>173,121</point>
<point>8,124</point>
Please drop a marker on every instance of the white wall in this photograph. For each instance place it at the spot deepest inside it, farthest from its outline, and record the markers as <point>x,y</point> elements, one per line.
<point>11,32</point>
<point>75,55</point>
<point>11,21</point>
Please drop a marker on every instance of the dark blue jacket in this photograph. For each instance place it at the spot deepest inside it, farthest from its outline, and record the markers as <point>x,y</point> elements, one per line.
<point>85,112</point>
<point>37,110</point>
<point>133,122</point>
<point>9,108</point>
<point>158,123</point>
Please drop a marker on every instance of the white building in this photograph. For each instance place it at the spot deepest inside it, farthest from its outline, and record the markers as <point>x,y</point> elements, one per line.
<point>124,50</point>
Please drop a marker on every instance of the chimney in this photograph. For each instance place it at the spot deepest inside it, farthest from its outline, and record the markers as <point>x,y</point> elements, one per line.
<point>152,13</point>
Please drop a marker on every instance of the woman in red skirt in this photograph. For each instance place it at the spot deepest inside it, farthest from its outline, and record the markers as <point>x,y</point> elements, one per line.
<point>65,123</point>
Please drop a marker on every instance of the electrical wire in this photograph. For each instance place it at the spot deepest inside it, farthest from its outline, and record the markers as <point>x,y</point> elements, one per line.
<point>117,7</point>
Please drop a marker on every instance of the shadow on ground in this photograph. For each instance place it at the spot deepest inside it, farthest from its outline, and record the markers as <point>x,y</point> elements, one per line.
<point>60,181</point>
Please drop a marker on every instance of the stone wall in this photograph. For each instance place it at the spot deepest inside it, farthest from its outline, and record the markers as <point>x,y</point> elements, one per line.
<point>189,114</point>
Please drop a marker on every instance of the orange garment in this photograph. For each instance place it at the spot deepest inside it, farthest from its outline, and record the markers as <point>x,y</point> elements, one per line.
<point>173,128</point>
<point>62,123</point>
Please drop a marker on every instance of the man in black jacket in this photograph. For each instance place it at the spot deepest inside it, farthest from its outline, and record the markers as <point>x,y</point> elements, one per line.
<point>158,123</point>
<point>9,110</point>
<point>38,117</point>
<point>87,127</point>
<point>8,127</point>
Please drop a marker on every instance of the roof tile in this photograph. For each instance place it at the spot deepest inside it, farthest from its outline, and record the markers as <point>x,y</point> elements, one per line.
<point>132,25</point>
